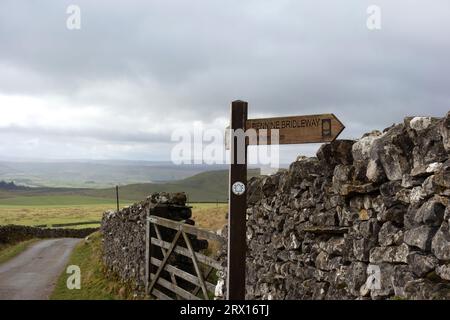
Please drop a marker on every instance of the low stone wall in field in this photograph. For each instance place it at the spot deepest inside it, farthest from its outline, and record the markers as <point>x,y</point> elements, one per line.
<point>14,233</point>
<point>124,235</point>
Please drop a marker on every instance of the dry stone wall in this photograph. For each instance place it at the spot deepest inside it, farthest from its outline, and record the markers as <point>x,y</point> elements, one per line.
<point>365,219</point>
<point>15,233</point>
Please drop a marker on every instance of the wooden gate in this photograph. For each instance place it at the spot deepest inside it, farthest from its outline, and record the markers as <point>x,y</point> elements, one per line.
<point>197,285</point>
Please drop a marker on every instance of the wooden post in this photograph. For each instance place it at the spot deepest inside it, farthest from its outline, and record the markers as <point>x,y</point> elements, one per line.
<point>147,251</point>
<point>237,205</point>
<point>290,130</point>
<point>151,251</point>
<point>117,198</point>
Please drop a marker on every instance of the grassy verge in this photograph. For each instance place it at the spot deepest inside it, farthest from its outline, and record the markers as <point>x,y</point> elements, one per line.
<point>9,251</point>
<point>94,283</point>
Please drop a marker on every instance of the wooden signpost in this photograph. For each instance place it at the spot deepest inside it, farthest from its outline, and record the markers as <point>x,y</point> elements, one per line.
<point>292,130</point>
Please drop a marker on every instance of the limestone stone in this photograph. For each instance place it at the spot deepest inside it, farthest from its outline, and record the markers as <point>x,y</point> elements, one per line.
<point>421,264</point>
<point>443,271</point>
<point>420,237</point>
<point>441,242</point>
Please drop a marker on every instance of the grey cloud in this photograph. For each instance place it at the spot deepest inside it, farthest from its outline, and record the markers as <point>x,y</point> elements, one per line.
<point>188,59</point>
<point>124,135</point>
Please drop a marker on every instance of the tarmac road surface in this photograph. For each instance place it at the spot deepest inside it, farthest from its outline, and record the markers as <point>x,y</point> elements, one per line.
<point>32,274</point>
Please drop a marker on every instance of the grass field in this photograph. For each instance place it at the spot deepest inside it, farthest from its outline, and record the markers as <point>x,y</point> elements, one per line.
<point>37,210</point>
<point>60,209</point>
<point>44,205</point>
<point>209,215</point>
<point>30,216</point>
<point>56,209</point>
<point>55,200</point>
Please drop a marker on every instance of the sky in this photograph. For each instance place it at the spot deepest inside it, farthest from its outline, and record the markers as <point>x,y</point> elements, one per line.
<point>135,72</point>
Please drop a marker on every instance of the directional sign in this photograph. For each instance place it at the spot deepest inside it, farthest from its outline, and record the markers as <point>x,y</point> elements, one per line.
<point>291,130</point>
<point>296,129</point>
<point>299,129</point>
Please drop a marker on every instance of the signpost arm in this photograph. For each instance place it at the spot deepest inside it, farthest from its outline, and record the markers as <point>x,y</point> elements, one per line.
<point>237,207</point>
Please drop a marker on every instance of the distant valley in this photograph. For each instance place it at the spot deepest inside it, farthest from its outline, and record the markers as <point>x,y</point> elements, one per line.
<point>96,174</point>
<point>209,186</point>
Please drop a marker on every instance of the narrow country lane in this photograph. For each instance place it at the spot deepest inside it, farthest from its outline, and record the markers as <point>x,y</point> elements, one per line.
<point>33,273</point>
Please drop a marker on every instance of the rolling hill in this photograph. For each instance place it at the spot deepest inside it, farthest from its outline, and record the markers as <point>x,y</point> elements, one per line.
<point>209,186</point>
<point>95,174</point>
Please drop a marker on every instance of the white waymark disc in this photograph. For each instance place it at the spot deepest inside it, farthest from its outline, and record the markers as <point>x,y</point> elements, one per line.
<point>238,188</point>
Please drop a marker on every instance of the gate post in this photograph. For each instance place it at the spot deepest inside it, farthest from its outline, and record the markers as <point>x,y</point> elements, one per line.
<point>237,204</point>
<point>147,251</point>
